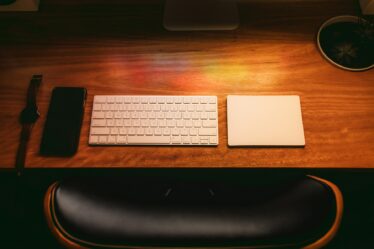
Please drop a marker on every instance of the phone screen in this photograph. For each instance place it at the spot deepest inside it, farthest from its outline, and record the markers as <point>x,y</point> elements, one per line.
<point>64,120</point>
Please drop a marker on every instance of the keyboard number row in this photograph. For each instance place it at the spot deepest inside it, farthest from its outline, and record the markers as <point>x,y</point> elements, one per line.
<point>156,99</point>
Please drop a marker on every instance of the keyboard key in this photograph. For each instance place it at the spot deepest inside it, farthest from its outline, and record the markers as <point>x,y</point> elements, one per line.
<point>180,123</point>
<point>212,115</point>
<point>175,131</point>
<point>97,107</point>
<point>162,123</point>
<point>109,122</point>
<point>195,115</point>
<point>109,115</point>
<point>100,131</point>
<point>204,100</point>
<point>152,115</point>
<point>153,122</point>
<point>195,100</point>
<point>121,140</point>
<point>210,108</point>
<point>135,100</point>
<point>166,131</point>
<point>209,123</point>
<point>148,140</point>
<point>186,140</point>
<point>105,107</point>
<point>131,131</point>
<point>204,140</point>
<point>193,131</point>
<point>127,122</point>
<point>103,139</point>
<point>182,108</point>
<point>144,100</point>
<point>94,139</point>
<point>195,140</point>
<point>197,123</point>
<point>98,114</point>
<point>187,100</point>
<point>171,123</point>
<point>135,122</point>
<point>135,115</point>
<point>176,139</point>
<point>119,122</point>
<point>144,123</point>
<point>174,108</point>
<point>148,131</point>
<point>188,123</point>
<point>204,115</point>
<point>186,115</point>
<point>207,132</point>
<point>213,140</point>
<point>118,114</point>
<point>212,100</point>
<point>158,131</point>
<point>98,122</point>
<point>200,108</point>
<point>184,132</point>
<point>160,115</point>
<point>112,139</point>
<point>139,131</point>
<point>100,99</point>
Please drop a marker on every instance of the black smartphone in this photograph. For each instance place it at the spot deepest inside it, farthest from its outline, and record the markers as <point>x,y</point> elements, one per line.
<point>64,120</point>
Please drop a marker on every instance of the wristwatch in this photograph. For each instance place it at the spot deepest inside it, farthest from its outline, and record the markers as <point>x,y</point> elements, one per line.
<point>28,117</point>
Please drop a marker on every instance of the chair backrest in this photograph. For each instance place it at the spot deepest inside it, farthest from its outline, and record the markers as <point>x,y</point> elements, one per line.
<point>303,212</point>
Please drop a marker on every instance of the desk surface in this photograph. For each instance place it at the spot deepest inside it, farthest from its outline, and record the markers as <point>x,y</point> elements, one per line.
<point>115,48</point>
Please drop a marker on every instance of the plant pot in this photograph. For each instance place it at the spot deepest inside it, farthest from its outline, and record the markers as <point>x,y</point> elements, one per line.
<point>342,42</point>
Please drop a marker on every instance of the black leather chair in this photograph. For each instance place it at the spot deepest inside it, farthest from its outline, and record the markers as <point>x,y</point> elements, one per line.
<point>304,212</point>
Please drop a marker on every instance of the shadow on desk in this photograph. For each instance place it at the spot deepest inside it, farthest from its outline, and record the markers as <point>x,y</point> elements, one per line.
<point>120,19</point>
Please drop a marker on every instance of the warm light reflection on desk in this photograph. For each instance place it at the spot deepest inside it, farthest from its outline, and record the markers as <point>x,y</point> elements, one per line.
<point>191,72</point>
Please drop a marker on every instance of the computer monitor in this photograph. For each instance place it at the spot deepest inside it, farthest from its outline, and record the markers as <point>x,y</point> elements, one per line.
<point>185,15</point>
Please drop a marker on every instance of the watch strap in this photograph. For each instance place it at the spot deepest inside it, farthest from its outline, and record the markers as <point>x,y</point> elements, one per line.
<point>22,147</point>
<point>28,117</point>
<point>33,89</point>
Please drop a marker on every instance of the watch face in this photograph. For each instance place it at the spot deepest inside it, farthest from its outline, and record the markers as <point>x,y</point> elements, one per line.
<point>29,115</point>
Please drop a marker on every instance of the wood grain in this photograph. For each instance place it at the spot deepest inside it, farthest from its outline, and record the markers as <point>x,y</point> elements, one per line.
<point>111,47</point>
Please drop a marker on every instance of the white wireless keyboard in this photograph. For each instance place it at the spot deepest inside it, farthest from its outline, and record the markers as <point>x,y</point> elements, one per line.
<point>154,120</point>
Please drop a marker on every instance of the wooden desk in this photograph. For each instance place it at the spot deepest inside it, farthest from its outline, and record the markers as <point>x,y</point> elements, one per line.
<point>115,48</point>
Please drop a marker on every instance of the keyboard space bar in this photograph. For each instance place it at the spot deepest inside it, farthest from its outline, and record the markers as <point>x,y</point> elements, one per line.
<point>148,140</point>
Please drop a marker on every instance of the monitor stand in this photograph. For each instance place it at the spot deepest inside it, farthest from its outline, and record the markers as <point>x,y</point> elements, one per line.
<point>190,15</point>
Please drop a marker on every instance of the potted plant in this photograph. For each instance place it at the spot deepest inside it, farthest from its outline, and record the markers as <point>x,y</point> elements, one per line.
<point>348,42</point>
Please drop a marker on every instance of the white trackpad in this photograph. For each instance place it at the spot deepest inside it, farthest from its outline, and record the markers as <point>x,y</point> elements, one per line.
<point>264,121</point>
